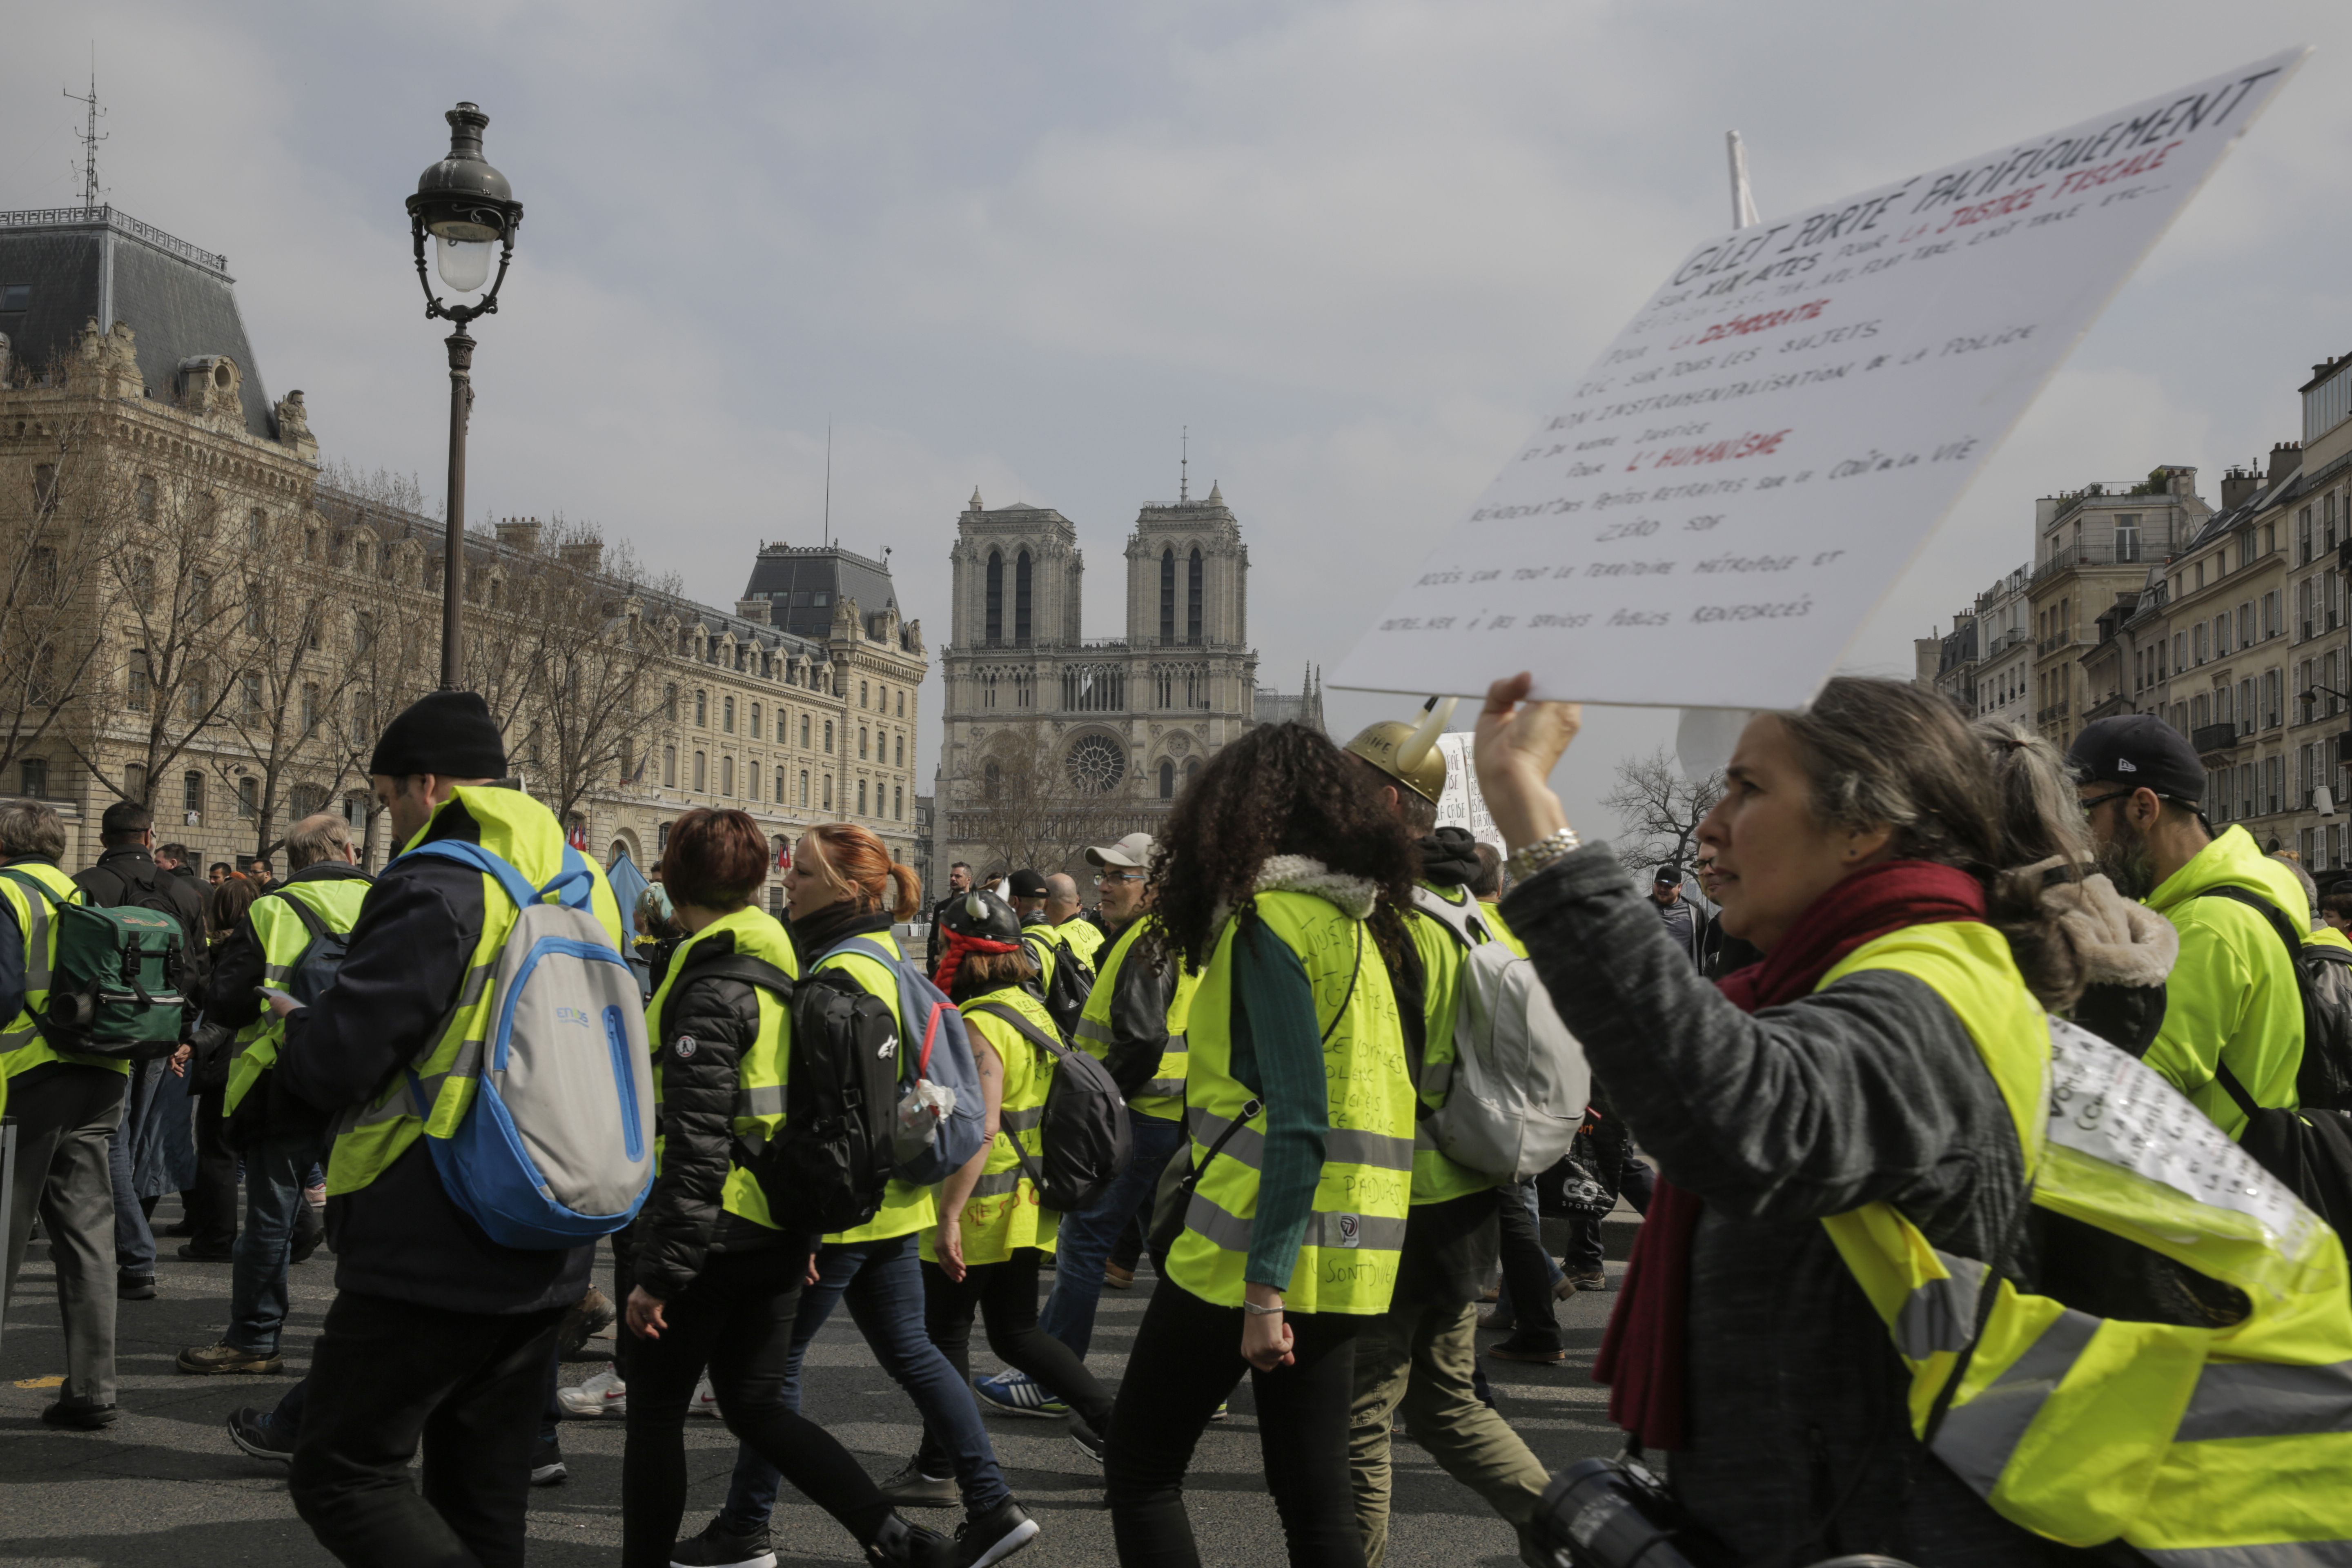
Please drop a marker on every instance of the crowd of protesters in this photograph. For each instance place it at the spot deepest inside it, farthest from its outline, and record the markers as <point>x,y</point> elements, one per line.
<point>1817,1059</point>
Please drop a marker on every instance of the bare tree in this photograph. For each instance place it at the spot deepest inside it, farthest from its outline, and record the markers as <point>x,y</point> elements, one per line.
<point>1031,803</point>
<point>1658,810</point>
<point>392,651</point>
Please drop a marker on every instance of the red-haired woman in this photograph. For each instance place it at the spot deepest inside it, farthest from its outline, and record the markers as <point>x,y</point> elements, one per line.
<point>719,1277</point>
<point>843,887</point>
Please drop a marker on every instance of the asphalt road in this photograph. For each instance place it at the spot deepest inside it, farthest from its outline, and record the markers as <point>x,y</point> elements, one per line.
<point>164,1488</point>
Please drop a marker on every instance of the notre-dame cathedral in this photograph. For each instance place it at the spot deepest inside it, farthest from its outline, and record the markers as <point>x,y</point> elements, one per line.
<point>1132,718</point>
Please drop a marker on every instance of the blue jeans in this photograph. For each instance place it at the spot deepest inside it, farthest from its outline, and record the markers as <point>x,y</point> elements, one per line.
<point>1085,1241</point>
<point>134,1242</point>
<point>274,1173</point>
<point>883,1283</point>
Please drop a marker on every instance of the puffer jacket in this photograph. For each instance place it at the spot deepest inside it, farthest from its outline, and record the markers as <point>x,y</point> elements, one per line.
<point>707,1023</point>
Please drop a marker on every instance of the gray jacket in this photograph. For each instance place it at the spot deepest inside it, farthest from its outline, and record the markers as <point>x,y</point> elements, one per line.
<point>1869,1089</point>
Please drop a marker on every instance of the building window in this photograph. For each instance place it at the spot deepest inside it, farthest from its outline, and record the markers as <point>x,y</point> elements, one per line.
<point>861,742</point>
<point>32,773</point>
<point>702,710</point>
<point>1167,780</point>
<point>902,702</point>
<point>661,841</point>
<point>1020,618</point>
<point>669,767</point>
<point>727,714</point>
<point>899,750</point>
<point>755,720</point>
<point>828,792</point>
<point>861,693</point>
<point>248,797</point>
<point>996,597</point>
<point>702,773</point>
<point>861,797</point>
<point>669,702</point>
<point>141,684</point>
<point>898,803</point>
<point>828,737</point>
<point>804,786</point>
<point>1192,600</point>
<point>726,776</point>
<point>191,793</point>
<point>804,738</point>
<point>780,786</point>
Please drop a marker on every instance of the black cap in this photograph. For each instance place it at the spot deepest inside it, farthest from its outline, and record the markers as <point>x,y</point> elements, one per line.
<point>2142,752</point>
<point>1028,884</point>
<point>1669,872</point>
<point>446,733</point>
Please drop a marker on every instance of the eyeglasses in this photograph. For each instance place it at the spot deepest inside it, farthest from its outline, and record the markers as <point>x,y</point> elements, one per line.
<point>2091,805</point>
<point>1105,877</point>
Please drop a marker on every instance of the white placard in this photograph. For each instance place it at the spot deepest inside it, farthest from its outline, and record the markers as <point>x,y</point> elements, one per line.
<point>1759,454</point>
<point>1460,805</point>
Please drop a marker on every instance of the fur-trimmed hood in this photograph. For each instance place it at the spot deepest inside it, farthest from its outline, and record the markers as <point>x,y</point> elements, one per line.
<point>1351,896</point>
<point>2098,936</point>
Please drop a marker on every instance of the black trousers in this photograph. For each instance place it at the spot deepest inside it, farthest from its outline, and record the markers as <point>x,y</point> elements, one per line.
<point>1526,1274</point>
<point>1005,1296</point>
<point>387,1375</point>
<point>212,1206</point>
<point>1186,1360</point>
<point>737,1317</point>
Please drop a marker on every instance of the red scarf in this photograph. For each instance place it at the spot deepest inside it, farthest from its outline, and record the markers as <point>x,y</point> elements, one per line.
<point>957,946</point>
<point>1644,1355</point>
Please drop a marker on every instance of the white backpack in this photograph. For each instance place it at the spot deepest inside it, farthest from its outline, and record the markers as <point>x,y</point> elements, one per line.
<point>1519,1083</point>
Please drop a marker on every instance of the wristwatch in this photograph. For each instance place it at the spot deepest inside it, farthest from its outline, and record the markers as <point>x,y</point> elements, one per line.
<point>1534,858</point>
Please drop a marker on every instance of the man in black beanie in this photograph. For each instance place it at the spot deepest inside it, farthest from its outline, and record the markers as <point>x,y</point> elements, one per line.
<point>437,1333</point>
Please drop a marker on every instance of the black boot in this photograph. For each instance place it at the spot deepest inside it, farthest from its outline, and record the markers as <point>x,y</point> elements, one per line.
<point>899,1544</point>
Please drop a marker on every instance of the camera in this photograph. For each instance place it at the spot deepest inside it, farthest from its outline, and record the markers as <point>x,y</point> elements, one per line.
<point>1615,1513</point>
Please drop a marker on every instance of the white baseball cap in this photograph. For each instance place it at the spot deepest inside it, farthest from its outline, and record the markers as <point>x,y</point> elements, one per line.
<point>1135,850</point>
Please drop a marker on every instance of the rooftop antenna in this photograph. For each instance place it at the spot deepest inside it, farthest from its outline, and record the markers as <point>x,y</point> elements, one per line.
<point>828,481</point>
<point>90,138</point>
<point>1184,467</point>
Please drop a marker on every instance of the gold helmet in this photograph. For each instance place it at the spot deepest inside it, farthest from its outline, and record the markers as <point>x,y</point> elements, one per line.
<point>1407,753</point>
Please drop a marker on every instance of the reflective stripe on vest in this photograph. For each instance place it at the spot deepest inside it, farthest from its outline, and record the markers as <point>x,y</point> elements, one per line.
<point>1162,1095</point>
<point>906,1208</point>
<point>762,1070</point>
<point>1347,1258</point>
<point>283,938</point>
<point>2086,1429</point>
<point>525,834</point>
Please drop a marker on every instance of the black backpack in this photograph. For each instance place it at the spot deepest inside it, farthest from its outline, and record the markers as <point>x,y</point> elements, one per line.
<point>825,1171</point>
<point>2322,974</point>
<point>1066,994</point>
<point>1083,1130</point>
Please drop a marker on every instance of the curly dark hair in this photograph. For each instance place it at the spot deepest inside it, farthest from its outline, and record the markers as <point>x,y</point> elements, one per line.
<point>1281,789</point>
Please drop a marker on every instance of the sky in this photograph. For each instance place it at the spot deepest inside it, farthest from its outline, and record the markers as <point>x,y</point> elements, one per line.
<point>1359,250</point>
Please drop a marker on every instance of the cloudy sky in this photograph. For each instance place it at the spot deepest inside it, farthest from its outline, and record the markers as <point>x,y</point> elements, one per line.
<point>1358,249</point>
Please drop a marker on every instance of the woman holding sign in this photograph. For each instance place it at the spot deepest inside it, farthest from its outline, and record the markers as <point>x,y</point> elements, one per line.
<point>1880,1069</point>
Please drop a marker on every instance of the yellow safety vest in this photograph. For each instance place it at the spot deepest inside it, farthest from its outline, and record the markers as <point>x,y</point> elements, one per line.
<point>525,834</point>
<point>1081,936</point>
<point>1002,1213</point>
<point>2201,1446</point>
<point>761,1071</point>
<point>1163,1094</point>
<point>21,1046</point>
<point>1436,1178</point>
<point>1348,1262</point>
<point>283,938</point>
<point>906,1207</point>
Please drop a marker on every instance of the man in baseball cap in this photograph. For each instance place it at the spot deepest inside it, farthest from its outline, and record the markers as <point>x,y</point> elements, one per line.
<point>2232,1031</point>
<point>1027,892</point>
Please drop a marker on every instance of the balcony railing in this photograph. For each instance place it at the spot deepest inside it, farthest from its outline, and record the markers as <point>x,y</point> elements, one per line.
<point>2069,556</point>
<point>2210,738</point>
<point>2051,644</point>
<point>2055,711</point>
<point>2006,639</point>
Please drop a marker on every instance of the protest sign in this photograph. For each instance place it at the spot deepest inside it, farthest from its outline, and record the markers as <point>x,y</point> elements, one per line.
<point>1460,805</point>
<point>1755,459</point>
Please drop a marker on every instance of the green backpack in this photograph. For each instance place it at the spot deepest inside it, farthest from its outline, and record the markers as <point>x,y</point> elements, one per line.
<point>114,990</point>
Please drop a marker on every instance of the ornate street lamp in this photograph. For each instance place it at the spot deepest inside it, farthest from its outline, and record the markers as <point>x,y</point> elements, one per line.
<point>467,208</point>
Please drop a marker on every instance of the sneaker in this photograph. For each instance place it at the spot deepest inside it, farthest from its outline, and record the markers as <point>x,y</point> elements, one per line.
<point>719,1547</point>
<point>899,1544</point>
<point>134,1287</point>
<point>1220,1412</point>
<point>1596,1281</point>
<point>1119,1279</point>
<point>584,1321</point>
<point>910,1487</point>
<point>705,1402</point>
<point>1017,1393</point>
<point>599,1397</point>
<point>79,1417</point>
<point>996,1535</point>
<point>1513,1350</point>
<point>547,1467</point>
<point>250,1430</point>
<point>1090,1442</point>
<point>225,1359</point>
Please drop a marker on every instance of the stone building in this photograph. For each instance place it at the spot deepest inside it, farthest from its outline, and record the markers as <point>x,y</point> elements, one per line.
<point>1983,663</point>
<point>1126,720</point>
<point>201,623</point>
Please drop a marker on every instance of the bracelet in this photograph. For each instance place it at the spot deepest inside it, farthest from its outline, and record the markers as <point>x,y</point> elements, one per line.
<point>1534,858</point>
<point>1255,1310</point>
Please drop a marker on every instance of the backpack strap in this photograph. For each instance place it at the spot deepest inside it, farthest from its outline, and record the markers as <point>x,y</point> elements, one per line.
<point>303,913</point>
<point>752,970</point>
<point>518,887</point>
<point>2230,1083</point>
<point>25,879</point>
<point>1028,1031</point>
<point>1459,919</point>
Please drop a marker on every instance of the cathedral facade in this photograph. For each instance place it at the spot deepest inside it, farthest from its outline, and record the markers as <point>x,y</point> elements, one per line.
<point>1111,729</point>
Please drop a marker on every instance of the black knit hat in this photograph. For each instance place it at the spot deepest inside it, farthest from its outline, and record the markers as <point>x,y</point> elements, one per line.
<point>449,734</point>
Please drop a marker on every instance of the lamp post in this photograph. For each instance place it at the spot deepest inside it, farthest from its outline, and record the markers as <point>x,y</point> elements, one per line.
<point>467,207</point>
